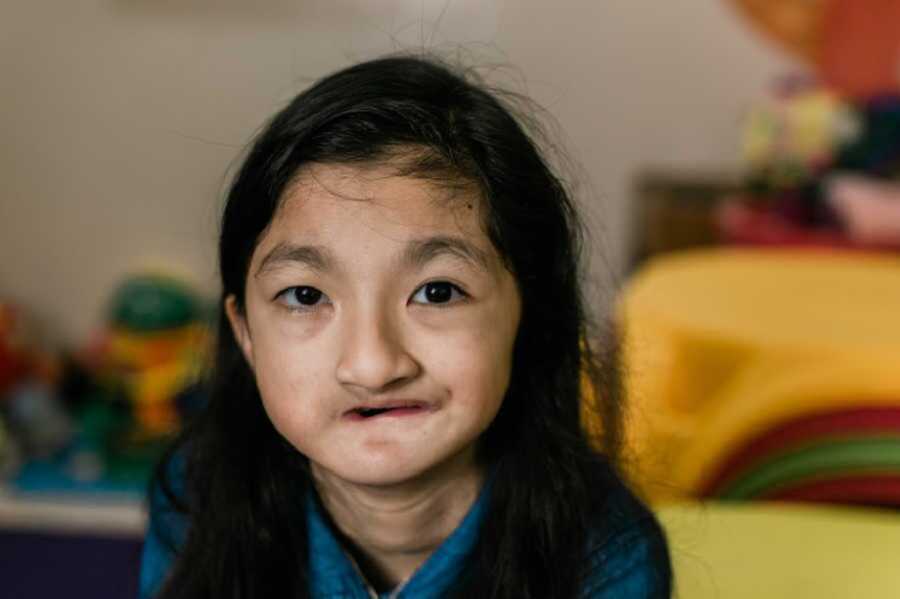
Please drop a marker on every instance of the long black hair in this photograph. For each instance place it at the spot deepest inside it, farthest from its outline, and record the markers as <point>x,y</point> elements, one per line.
<point>550,479</point>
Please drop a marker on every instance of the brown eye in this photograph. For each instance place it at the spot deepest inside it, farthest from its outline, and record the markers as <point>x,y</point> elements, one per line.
<point>301,297</point>
<point>437,292</point>
<point>308,296</point>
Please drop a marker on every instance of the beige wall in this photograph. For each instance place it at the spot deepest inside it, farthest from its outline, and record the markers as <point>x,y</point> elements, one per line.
<point>120,118</point>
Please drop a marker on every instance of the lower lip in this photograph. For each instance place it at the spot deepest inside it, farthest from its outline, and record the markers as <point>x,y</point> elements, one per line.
<point>395,413</point>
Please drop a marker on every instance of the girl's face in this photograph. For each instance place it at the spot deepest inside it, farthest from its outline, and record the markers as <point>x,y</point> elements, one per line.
<point>379,321</point>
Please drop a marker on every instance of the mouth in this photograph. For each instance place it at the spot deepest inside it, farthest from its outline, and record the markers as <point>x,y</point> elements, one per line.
<point>390,410</point>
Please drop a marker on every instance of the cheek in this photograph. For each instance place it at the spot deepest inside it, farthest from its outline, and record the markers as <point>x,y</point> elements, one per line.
<point>290,379</point>
<point>475,365</point>
<point>281,355</point>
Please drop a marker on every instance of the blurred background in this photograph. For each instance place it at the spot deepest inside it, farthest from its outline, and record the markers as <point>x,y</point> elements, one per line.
<point>737,161</point>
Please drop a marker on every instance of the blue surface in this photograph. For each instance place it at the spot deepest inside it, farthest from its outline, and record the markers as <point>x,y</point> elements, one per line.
<point>48,477</point>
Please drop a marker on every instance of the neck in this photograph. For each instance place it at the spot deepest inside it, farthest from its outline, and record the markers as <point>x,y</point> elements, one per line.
<point>392,530</point>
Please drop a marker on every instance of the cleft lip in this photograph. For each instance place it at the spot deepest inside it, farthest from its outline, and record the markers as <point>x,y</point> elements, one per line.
<point>390,404</point>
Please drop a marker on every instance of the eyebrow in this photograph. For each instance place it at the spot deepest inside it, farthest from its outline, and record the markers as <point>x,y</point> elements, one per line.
<point>419,252</point>
<point>416,254</point>
<point>316,257</point>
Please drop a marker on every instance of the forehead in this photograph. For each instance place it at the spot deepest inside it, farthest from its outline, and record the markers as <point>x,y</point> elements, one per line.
<point>339,203</point>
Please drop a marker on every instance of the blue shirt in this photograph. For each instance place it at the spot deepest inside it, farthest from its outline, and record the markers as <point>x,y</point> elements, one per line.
<point>334,575</point>
<point>628,561</point>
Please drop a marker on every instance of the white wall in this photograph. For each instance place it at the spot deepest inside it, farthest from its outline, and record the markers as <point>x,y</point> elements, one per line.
<point>120,118</point>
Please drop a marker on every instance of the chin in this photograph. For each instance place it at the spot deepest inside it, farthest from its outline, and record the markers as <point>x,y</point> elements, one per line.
<point>383,470</point>
<point>378,473</point>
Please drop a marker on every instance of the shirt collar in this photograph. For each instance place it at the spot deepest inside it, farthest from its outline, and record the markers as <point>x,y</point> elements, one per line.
<point>333,574</point>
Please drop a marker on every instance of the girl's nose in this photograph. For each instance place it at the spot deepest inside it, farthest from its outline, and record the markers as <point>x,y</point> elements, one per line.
<point>373,355</point>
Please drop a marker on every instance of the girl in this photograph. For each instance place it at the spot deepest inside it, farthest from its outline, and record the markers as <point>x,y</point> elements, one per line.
<point>394,407</point>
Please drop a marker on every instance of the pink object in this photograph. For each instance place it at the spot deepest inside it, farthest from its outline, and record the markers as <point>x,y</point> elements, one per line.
<point>869,209</point>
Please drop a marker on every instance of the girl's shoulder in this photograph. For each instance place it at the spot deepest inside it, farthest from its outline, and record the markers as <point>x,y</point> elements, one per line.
<point>167,525</point>
<point>628,552</point>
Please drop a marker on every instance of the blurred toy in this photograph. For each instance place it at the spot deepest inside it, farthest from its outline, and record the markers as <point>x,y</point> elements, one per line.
<point>794,144</point>
<point>793,136</point>
<point>37,417</point>
<point>154,346</point>
<point>35,421</point>
<point>15,358</point>
<point>843,115</point>
<point>126,394</point>
<point>10,452</point>
<point>877,150</point>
